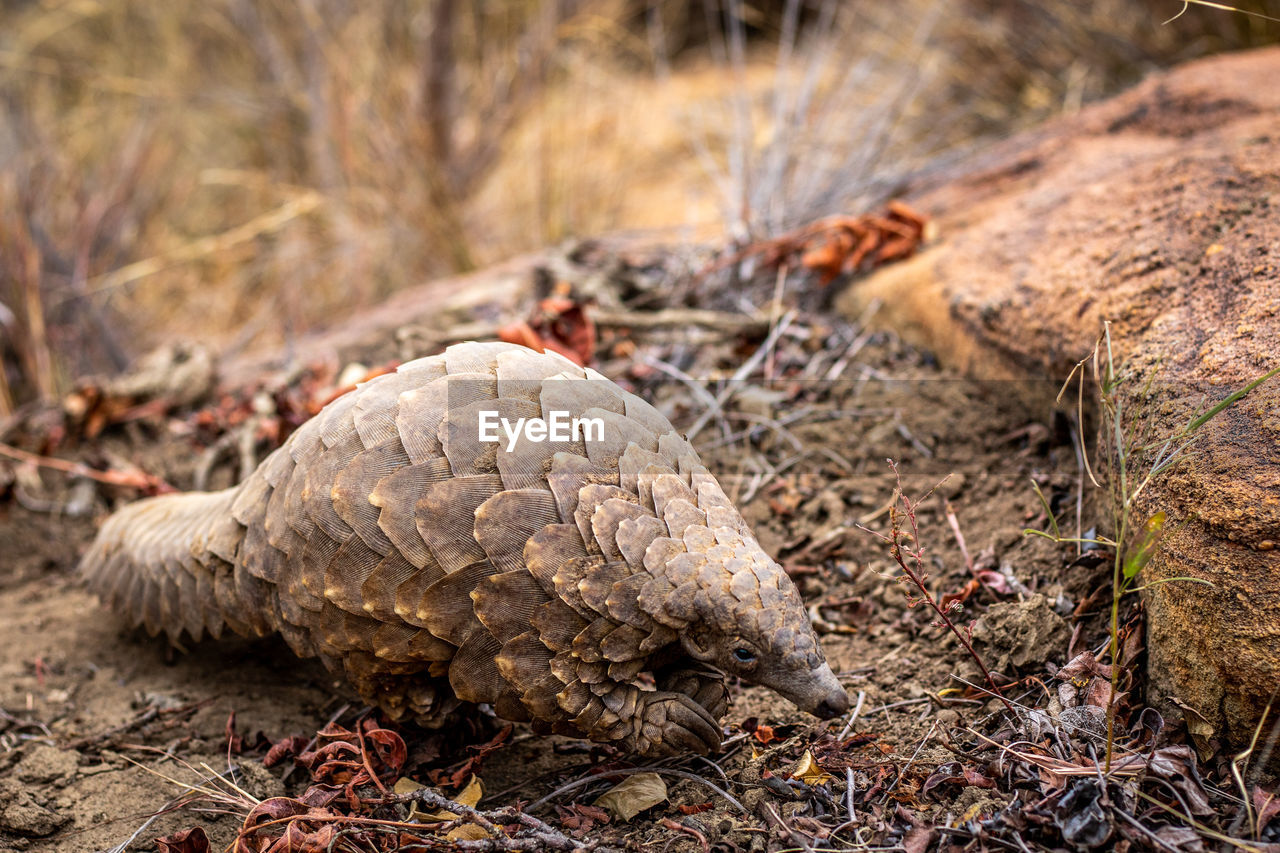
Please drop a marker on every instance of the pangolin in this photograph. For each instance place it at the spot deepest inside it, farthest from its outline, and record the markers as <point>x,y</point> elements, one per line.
<point>596,581</point>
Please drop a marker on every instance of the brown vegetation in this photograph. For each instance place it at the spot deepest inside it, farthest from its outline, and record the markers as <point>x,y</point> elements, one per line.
<point>242,171</point>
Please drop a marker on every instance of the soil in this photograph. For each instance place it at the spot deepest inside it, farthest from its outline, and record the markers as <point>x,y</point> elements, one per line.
<point>102,726</point>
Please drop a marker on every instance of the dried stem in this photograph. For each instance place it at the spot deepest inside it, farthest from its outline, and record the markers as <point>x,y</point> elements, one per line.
<point>136,478</point>
<point>911,561</point>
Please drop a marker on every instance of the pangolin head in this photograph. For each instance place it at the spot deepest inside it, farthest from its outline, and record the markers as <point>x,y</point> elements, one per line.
<point>772,644</point>
<point>737,610</point>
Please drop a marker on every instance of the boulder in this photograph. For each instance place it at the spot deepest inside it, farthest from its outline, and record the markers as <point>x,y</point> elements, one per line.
<point>1158,211</point>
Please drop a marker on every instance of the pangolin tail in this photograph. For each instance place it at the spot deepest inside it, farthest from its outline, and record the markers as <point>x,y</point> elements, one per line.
<point>167,563</point>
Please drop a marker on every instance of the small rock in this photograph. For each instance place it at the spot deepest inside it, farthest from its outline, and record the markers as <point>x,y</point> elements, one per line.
<point>1084,719</point>
<point>21,814</point>
<point>1017,633</point>
<point>352,373</point>
<point>44,764</point>
<point>947,718</point>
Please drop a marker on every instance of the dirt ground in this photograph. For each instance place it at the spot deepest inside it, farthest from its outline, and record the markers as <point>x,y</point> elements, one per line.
<point>99,726</point>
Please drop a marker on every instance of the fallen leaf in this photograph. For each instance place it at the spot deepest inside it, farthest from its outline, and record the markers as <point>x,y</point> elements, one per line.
<point>1084,664</point>
<point>918,839</point>
<point>808,771</point>
<point>283,748</point>
<point>633,795</point>
<point>580,819</point>
<point>764,734</point>
<point>559,324</point>
<point>1266,804</point>
<point>776,785</point>
<point>191,840</point>
<point>468,796</point>
<point>466,832</point>
<point>698,809</point>
<point>472,793</point>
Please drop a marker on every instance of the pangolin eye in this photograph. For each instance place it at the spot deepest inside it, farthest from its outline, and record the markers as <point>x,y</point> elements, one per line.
<point>744,655</point>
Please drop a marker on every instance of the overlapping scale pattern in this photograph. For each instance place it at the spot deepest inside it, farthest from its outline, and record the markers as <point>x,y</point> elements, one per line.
<point>550,579</point>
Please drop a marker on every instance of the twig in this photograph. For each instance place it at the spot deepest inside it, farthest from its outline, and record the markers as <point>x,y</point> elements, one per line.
<point>853,718</point>
<point>742,373</point>
<point>912,760</point>
<point>542,833</point>
<point>703,395</point>
<point>779,824</point>
<point>774,310</point>
<point>720,321</point>
<point>136,479</point>
<point>147,715</point>
<point>266,223</point>
<point>885,709</point>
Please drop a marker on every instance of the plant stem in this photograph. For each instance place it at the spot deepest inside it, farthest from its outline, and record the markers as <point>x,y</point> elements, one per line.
<point>917,578</point>
<point>1117,592</point>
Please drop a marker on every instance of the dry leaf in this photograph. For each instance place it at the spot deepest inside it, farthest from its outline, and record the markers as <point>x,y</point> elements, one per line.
<point>468,796</point>
<point>466,832</point>
<point>405,785</point>
<point>472,793</point>
<point>191,840</point>
<point>633,795</point>
<point>808,771</point>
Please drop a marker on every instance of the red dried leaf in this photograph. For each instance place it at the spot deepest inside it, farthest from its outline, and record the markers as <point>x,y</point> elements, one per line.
<point>234,743</point>
<point>971,586</point>
<point>320,796</point>
<point>827,260</point>
<point>1083,665</point>
<point>558,324</point>
<point>698,809</point>
<point>953,772</point>
<point>1100,694</point>
<point>273,809</point>
<point>389,749</point>
<point>191,840</point>
<point>521,333</point>
<point>841,245</point>
<point>976,779</point>
<point>472,766</point>
<point>1266,804</point>
<point>764,734</point>
<point>918,839</point>
<point>579,819</point>
<point>284,748</point>
<point>995,581</point>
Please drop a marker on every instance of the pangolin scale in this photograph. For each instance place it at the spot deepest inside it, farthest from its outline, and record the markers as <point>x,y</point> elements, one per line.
<point>600,587</point>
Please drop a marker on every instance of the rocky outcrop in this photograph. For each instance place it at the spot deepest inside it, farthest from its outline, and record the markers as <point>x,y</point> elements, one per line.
<point>1158,211</point>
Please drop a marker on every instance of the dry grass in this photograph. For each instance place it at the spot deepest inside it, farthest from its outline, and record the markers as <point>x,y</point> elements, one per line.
<point>241,170</point>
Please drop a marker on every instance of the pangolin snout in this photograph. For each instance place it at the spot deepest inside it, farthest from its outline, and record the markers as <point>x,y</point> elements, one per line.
<point>820,693</point>
<point>833,706</point>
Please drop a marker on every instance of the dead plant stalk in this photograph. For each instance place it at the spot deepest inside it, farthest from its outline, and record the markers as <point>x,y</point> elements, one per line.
<point>908,553</point>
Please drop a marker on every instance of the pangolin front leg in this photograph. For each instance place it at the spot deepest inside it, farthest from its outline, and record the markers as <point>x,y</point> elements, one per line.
<point>414,539</point>
<point>669,723</point>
